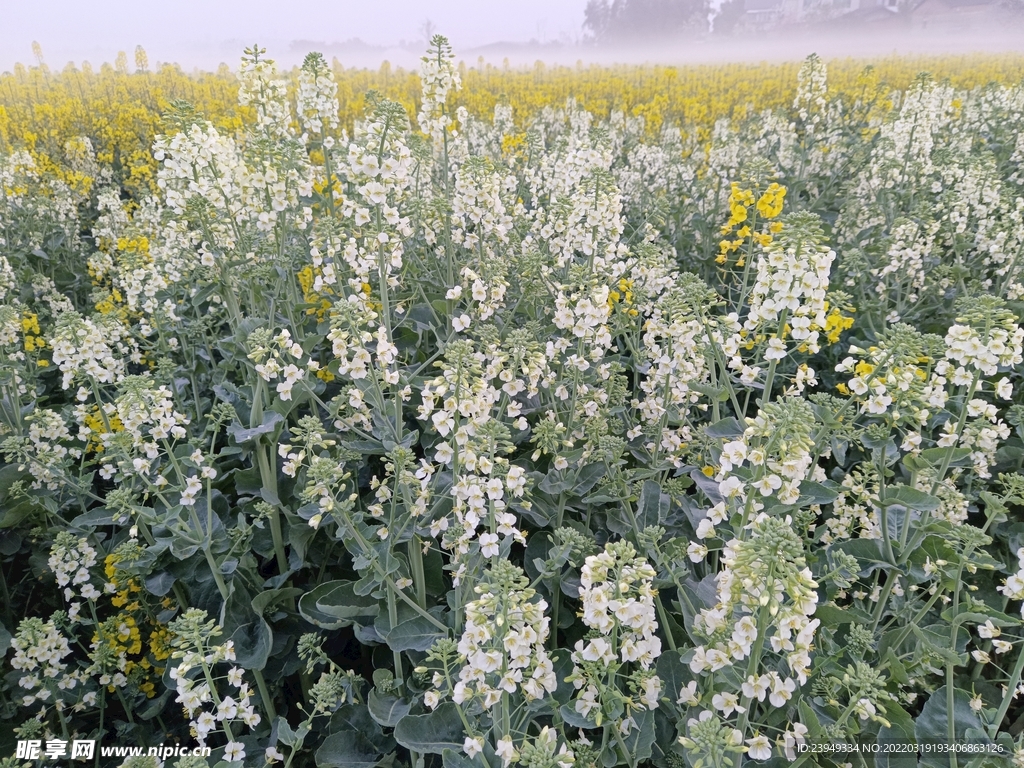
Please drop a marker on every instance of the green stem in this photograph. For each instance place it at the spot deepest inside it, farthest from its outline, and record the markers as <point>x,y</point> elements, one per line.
<point>268,701</point>
<point>415,552</point>
<point>1011,689</point>
<point>755,657</point>
<point>393,619</point>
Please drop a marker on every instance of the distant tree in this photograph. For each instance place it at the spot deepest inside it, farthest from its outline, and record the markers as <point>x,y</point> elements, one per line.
<point>427,30</point>
<point>639,20</point>
<point>141,59</point>
<point>730,13</point>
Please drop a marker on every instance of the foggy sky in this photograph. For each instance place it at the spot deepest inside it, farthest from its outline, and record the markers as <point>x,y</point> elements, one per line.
<point>198,32</point>
<point>204,33</point>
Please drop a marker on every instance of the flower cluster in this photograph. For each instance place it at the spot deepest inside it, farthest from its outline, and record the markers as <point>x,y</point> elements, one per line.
<point>618,602</point>
<point>765,593</point>
<point>268,354</point>
<point>39,652</point>
<point>502,644</point>
<point>70,561</point>
<point>438,78</point>
<point>207,708</point>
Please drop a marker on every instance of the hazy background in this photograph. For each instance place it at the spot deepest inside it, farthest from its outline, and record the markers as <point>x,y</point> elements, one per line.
<point>202,34</point>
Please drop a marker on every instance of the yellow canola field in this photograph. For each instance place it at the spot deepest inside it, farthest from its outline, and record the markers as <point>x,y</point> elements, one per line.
<point>121,112</point>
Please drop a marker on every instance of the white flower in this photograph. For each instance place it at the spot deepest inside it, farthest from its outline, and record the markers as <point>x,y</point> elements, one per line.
<point>688,694</point>
<point>505,750</point>
<point>473,746</point>
<point>759,748</point>
<point>793,739</point>
<point>235,677</point>
<point>489,545</point>
<point>988,630</point>
<point>234,751</point>
<point>727,703</point>
<point>776,350</point>
<point>460,323</point>
<point>227,709</point>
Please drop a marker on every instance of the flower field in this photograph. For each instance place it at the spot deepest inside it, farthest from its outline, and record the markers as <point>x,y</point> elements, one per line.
<point>549,418</point>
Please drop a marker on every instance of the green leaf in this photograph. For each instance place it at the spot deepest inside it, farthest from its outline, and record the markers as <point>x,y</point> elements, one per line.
<point>458,759</point>
<point>935,456</point>
<point>901,731</point>
<point>16,514</point>
<point>588,477</point>
<point>574,718</point>
<point>335,604</point>
<point>5,637</point>
<point>725,428</point>
<point>998,618</point>
<point>674,673</point>
<point>897,671</point>
<point>933,724</point>
<point>242,435</point>
<point>868,552</point>
<point>270,597</point>
<point>640,739</point>
<point>387,708</point>
<point>285,734</point>
<point>929,641</point>
<point>911,498</point>
<point>347,749</point>
<point>816,493</point>
<point>251,634</point>
<point>433,732</point>
<point>833,616</point>
<point>343,602</point>
<point>555,482</point>
<point>415,634</point>
<point>653,505</point>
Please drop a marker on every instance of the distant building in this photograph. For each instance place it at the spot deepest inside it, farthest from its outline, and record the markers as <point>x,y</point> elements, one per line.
<point>766,14</point>
<point>957,15</point>
<point>877,14</point>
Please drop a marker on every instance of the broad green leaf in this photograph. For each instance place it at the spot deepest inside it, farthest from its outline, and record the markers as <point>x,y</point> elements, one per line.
<point>342,602</point>
<point>932,724</point>
<point>253,642</point>
<point>347,749</point>
<point>387,708</point>
<point>833,616</point>
<point>269,424</point>
<point>816,493</point>
<point>640,739</point>
<point>337,611</point>
<point>574,718</point>
<point>959,457</point>
<point>433,732</point>
<point>726,428</point>
<point>899,733</point>
<point>911,498</point>
<point>653,505</point>
<point>451,758</point>
<point>588,477</point>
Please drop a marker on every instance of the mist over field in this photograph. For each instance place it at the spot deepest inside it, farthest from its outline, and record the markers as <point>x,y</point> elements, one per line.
<point>200,35</point>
